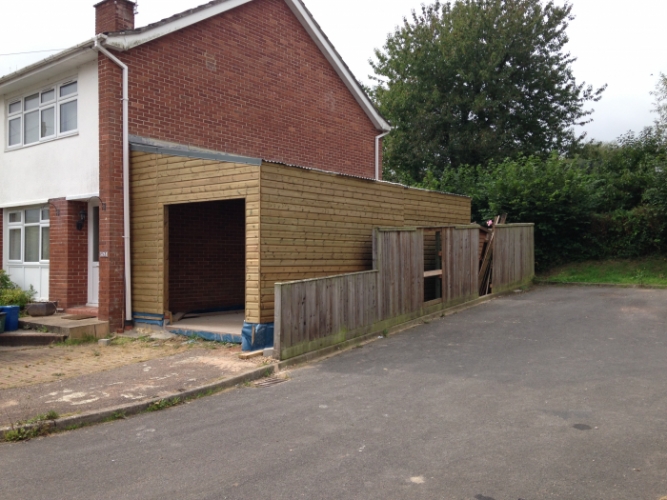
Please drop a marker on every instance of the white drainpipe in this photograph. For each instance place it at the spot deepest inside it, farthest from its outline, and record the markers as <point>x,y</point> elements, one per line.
<point>377,154</point>
<point>126,178</point>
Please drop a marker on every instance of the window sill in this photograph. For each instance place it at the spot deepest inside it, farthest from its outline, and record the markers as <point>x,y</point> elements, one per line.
<point>45,141</point>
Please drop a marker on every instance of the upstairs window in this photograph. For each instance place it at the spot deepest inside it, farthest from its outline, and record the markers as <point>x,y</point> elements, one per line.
<point>42,116</point>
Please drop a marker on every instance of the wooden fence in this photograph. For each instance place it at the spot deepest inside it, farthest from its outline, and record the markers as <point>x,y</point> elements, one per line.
<point>513,256</point>
<point>316,313</point>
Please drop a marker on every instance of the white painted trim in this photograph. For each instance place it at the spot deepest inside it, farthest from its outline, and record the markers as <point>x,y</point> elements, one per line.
<point>91,265</point>
<point>82,197</point>
<point>28,204</point>
<point>125,42</point>
<point>49,62</point>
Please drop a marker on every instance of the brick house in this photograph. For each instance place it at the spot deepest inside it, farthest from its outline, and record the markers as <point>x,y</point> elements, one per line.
<point>132,162</point>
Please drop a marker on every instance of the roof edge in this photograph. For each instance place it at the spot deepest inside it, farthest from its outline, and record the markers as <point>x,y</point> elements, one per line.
<point>47,62</point>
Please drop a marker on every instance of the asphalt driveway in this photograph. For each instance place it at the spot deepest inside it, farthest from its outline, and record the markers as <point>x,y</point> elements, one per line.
<point>559,393</point>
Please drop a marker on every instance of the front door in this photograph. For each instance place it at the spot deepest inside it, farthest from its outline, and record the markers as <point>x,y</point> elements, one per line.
<point>93,254</point>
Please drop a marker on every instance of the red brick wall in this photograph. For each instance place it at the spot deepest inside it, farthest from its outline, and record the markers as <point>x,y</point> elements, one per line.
<point>206,255</point>
<point>252,82</point>
<point>68,267</point>
<point>114,15</point>
<point>111,293</point>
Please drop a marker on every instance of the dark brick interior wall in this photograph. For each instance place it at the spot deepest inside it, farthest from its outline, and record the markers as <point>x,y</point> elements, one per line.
<point>252,82</point>
<point>206,255</point>
<point>68,266</point>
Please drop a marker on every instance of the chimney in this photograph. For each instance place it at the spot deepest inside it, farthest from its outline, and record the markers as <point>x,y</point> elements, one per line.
<point>114,15</point>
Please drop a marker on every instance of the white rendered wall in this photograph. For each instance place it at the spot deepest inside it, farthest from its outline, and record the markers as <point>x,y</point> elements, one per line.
<point>62,167</point>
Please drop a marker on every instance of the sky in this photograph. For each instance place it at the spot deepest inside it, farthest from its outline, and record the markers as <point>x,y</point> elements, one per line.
<point>617,42</point>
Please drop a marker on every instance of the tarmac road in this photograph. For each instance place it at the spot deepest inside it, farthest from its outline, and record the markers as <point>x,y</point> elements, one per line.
<point>559,393</point>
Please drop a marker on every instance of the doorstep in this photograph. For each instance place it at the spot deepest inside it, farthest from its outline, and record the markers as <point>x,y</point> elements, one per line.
<point>72,328</point>
<point>82,311</point>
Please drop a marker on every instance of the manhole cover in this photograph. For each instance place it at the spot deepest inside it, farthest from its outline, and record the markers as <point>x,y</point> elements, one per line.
<point>269,381</point>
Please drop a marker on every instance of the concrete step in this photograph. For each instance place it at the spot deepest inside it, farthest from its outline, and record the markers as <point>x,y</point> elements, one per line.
<point>82,311</point>
<point>30,338</point>
<point>75,329</point>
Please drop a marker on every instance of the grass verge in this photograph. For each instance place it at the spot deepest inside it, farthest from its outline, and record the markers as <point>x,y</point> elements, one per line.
<point>651,271</point>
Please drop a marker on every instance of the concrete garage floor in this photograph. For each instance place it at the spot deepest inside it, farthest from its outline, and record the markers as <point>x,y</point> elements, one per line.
<point>226,325</point>
<point>559,393</point>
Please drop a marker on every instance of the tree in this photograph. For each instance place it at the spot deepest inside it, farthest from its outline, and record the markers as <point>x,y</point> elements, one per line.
<point>660,94</point>
<point>477,81</point>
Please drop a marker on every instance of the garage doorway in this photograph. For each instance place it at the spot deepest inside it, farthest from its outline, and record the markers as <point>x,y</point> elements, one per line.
<point>206,266</point>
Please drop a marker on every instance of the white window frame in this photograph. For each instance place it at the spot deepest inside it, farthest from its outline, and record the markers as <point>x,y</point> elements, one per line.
<point>53,104</point>
<point>21,226</point>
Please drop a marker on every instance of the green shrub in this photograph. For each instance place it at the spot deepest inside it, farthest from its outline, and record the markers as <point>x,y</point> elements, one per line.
<point>16,297</point>
<point>5,282</point>
<point>610,202</point>
<point>11,294</point>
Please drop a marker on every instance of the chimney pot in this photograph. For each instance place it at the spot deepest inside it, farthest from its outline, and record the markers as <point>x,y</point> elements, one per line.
<point>114,15</point>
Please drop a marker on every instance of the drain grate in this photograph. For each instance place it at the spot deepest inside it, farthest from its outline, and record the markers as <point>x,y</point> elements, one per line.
<point>269,381</point>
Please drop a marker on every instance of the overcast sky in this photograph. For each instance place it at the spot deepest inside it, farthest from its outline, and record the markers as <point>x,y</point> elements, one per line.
<point>617,42</point>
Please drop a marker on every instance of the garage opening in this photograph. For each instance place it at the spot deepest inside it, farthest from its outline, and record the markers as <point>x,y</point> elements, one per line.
<point>207,267</point>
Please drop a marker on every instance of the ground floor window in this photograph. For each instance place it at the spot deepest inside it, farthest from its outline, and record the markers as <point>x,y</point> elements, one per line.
<point>27,249</point>
<point>29,235</point>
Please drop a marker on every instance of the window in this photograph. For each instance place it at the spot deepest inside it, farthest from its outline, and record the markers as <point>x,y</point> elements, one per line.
<point>42,116</point>
<point>29,235</point>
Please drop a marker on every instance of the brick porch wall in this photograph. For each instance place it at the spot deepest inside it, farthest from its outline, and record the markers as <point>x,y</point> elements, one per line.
<point>68,267</point>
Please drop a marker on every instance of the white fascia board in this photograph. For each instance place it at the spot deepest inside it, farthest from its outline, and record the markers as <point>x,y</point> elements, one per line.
<point>29,203</point>
<point>126,42</point>
<point>82,197</point>
<point>334,59</point>
<point>61,62</point>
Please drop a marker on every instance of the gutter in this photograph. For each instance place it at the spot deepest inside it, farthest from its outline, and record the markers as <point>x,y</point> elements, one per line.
<point>126,175</point>
<point>377,154</point>
<point>48,62</point>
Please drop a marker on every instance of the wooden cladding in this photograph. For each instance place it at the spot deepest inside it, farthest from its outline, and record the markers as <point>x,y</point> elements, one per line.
<point>300,223</point>
<point>513,256</point>
<point>162,180</point>
<point>316,224</point>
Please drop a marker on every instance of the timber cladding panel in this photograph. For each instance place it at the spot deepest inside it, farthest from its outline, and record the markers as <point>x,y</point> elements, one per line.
<point>158,181</point>
<point>312,223</point>
<point>316,224</point>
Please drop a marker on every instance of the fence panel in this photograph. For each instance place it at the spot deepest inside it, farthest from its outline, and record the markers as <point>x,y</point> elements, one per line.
<point>315,313</point>
<point>513,256</point>
<point>460,264</point>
